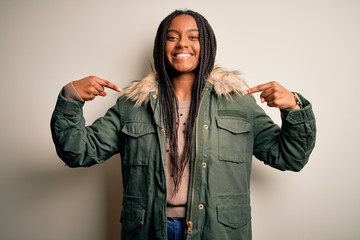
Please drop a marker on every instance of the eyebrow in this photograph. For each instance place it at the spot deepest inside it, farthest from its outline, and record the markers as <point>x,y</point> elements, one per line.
<point>190,30</point>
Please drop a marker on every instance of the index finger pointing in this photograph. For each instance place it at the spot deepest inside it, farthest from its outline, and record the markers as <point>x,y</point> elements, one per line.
<point>258,88</point>
<point>108,84</point>
<point>253,90</point>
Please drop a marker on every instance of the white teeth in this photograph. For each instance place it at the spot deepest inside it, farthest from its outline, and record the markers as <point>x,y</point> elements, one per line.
<point>183,55</point>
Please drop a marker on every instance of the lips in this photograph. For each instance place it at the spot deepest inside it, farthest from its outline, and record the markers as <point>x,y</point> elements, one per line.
<point>182,55</point>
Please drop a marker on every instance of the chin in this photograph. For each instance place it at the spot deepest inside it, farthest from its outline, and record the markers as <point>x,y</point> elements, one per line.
<point>184,69</point>
<point>181,69</point>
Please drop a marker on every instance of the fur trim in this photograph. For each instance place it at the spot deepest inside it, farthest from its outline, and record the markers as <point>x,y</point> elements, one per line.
<point>224,81</point>
<point>139,90</point>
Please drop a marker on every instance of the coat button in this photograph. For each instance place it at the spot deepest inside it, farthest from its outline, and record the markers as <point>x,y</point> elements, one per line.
<point>206,126</point>
<point>204,165</point>
<point>201,206</point>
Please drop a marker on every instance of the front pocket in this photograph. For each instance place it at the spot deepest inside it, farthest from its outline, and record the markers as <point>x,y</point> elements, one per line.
<point>233,216</point>
<point>132,218</point>
<point>234,211</point>
<point>233,138</point>
<point>138,142</point>
<point>133,213</point>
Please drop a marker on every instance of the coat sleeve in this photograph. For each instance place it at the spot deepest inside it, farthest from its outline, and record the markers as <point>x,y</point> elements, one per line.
<point>287,147</point>
<point>79,145</point>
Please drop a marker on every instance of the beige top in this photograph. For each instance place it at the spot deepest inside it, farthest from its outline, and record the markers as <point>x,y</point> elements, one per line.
<point>176,202</point>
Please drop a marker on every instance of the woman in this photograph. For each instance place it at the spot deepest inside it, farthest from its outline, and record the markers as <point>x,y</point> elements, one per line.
<point>186,134</point>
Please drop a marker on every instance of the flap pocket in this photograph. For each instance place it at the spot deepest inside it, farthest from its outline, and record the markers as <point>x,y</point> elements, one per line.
<point>234,210</point>
<point>234,138</point>
<point>132,218</point>
<point>234,216</point>
<point>139,141</point>
<point>133,212</point>
<point>233,125</point>
<point>138,129</point>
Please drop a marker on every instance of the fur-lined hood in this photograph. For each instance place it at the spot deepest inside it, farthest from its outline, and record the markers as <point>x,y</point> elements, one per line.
<point>224,83</point>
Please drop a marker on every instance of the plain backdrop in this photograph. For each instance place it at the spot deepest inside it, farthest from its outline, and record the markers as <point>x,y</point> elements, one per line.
<point>308,46</point>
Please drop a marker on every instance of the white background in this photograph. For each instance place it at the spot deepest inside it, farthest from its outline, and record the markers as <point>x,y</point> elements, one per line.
<point>308,46</point>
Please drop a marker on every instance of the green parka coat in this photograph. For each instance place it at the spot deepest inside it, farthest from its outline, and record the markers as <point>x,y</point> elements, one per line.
<point>230,129</point>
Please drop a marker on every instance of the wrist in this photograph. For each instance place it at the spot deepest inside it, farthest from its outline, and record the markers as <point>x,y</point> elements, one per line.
<point>298,101</point>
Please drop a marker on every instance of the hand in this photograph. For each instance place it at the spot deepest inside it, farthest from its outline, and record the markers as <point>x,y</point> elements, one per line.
<point>274,95</point>
<point>90,87</point>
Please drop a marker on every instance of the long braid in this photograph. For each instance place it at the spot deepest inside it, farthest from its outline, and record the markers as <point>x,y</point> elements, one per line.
<point>168,99</point>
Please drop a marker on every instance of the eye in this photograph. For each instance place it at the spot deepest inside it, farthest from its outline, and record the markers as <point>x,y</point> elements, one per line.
<point>194,37</point>
<point>172,37</point>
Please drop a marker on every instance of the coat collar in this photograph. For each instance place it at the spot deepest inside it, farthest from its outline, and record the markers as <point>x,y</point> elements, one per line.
<point>224,82</point>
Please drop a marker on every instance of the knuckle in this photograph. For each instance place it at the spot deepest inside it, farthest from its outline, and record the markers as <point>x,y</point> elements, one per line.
<point>92,79</point>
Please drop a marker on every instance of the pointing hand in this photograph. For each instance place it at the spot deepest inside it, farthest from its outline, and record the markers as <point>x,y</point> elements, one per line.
<point>274,95</point>
<point>90,87</point>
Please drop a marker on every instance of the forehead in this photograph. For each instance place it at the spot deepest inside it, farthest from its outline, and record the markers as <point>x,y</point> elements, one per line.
<point>183,21</point>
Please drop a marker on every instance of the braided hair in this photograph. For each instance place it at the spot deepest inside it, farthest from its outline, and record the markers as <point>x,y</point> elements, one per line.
<point>167,97</point>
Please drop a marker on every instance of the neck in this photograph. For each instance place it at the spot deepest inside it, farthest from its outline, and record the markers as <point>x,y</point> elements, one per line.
<point>183,85</point>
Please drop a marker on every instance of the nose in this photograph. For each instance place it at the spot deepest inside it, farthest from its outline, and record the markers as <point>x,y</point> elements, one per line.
<point>182,43</point>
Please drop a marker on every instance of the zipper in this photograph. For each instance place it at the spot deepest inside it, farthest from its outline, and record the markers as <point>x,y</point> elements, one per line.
<point>189,223</point>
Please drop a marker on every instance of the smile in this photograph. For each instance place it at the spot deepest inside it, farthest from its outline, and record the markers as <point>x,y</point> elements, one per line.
<point>182,55</point>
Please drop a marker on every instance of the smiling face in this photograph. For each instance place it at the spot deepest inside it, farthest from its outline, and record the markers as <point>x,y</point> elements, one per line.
<point>182,47</point>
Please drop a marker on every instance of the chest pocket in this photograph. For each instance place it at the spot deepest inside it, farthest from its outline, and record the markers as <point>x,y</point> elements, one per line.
<point>234,138</point>
<point>138,142</point>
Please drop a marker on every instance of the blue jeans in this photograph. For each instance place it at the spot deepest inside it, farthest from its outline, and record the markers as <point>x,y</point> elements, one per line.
<point>175,228</point>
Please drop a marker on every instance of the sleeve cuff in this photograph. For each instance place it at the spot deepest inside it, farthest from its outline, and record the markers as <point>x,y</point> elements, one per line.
<point>65,105</point>
<point>70,93</point>
<point>299,115</point>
